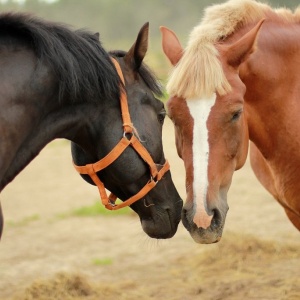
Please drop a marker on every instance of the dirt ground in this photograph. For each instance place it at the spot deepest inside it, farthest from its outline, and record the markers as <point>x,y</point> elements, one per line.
<point>46,256</point>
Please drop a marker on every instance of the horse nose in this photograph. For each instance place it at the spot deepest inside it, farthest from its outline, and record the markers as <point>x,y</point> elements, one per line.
<point>185,220</point>
<point>216,221</point>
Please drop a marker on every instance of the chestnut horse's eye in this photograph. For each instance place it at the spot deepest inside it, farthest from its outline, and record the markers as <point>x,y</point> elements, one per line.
<point>161,116</point>
<point>235,116</point>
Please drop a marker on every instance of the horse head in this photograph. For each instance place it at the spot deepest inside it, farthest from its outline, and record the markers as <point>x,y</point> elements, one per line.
<point>211,131</point>
<point>159,209</point>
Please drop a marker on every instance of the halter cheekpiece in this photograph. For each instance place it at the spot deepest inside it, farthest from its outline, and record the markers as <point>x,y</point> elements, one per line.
<point>128,139</point>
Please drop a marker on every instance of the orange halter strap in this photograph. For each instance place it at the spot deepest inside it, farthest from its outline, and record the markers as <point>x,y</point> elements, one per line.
<point>92,169</point>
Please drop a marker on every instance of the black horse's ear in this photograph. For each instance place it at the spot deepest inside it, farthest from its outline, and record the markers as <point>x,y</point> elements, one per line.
<point>138,50</point>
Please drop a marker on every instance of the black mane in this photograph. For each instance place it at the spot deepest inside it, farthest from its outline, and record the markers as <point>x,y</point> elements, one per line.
<point>146,74</point>
<point>81,65</point>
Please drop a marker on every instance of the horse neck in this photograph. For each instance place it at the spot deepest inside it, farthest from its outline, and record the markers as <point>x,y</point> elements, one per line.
<point>272,79</point>
<point>64,122</point>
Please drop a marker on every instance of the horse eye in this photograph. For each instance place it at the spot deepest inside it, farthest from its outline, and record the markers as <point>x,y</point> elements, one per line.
<point>235,116</point>
<point>161,116</point>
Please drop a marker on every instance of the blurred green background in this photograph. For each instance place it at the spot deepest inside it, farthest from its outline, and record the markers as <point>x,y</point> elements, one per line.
<point>118,21</point>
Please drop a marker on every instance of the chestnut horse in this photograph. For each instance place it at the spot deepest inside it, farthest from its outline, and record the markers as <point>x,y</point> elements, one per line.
<point>238,80</point>
<point>60,83</point>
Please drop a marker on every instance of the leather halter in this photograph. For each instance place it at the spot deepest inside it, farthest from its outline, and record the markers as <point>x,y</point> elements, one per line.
<point>128,139</point>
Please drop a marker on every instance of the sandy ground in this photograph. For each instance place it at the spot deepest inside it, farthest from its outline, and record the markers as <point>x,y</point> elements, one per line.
<point>111,258</point>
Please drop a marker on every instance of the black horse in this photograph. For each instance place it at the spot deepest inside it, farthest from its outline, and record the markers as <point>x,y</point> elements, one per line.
<point>59,83</point>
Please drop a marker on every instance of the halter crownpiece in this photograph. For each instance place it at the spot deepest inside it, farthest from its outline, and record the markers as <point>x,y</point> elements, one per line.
<point>129,130</point>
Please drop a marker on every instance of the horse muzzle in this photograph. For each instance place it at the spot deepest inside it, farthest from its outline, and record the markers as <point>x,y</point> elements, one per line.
<point>160,210</point>
<point>163,224</point>
<point>210,234</point>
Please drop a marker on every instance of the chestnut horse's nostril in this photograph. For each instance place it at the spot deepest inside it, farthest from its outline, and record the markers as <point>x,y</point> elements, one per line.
<point>216,221</point>
<point>184,218</point>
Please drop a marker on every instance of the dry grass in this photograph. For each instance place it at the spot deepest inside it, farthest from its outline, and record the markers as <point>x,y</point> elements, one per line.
<point>240,267</point>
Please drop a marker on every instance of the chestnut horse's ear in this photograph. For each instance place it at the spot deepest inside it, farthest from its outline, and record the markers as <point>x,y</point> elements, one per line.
<point>171,45</point>
<point>138,50</point>
<point>241,50</point>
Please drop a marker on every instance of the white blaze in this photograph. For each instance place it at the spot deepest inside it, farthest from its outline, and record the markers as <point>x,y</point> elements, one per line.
<point>200,110</point>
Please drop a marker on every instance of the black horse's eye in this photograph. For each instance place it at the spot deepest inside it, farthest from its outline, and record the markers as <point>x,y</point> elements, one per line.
<point>236,115</point>
<point>161,116</point>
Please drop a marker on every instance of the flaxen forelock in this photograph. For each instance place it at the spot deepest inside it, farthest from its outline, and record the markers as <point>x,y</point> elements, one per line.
<point>199,72</point>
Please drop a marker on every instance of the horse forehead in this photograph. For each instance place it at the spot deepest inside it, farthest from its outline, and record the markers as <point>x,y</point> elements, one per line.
<point>178,109</point>
<point>189,114</point>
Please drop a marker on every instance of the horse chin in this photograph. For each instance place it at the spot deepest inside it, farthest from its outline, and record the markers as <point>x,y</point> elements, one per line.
<point>206,236</point>
<point>159,228</point>
<point>210,235</point>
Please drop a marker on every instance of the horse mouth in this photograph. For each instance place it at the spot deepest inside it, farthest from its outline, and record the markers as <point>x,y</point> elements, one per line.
<point>158,230</point>
<point>210,235</point>
<point>162,224</point>
<point>206,236</point>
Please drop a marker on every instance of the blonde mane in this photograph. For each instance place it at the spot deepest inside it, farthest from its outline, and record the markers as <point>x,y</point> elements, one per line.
<point>199,72</point>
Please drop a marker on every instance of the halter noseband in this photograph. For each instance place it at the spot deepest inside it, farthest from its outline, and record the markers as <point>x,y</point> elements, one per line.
<point>128,139</point>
